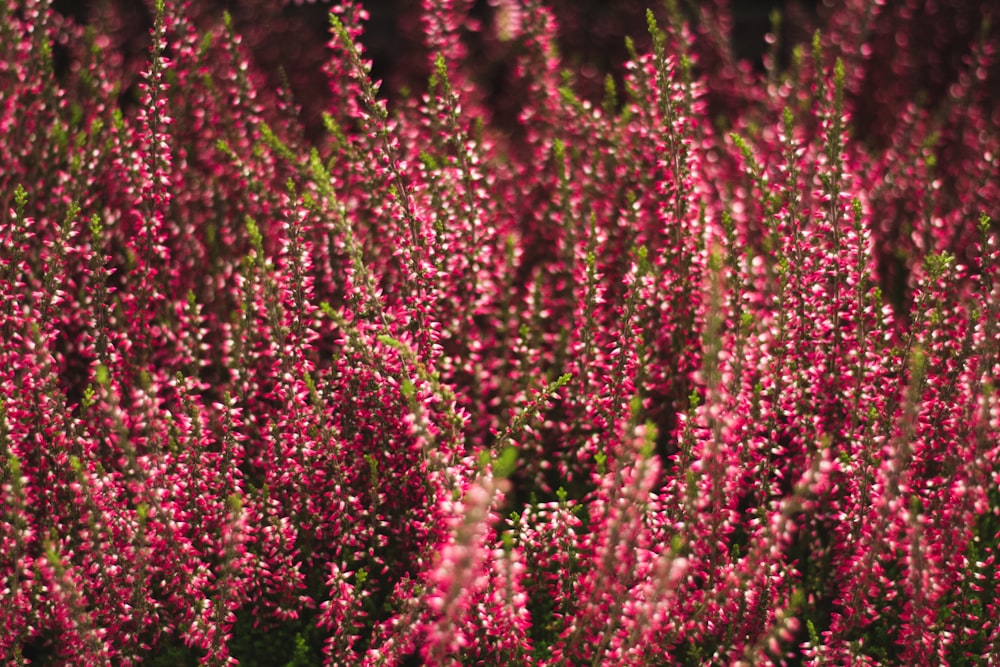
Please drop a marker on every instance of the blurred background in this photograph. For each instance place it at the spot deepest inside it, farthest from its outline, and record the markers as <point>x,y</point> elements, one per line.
<point>286,40</point>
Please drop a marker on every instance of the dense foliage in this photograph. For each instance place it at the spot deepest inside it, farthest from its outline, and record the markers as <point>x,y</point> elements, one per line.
<point>702,373</point>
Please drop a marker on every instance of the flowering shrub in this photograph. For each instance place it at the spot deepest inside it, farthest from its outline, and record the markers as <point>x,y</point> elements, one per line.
<point>704,373</point>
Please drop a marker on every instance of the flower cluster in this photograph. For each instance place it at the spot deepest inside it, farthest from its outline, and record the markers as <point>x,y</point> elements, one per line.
<point>704,372</point>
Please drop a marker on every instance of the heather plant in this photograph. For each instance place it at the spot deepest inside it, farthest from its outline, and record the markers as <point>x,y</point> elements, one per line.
<point>702,372</point>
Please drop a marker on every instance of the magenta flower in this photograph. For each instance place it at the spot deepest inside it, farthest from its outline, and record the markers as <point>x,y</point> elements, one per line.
<point>470,366</point>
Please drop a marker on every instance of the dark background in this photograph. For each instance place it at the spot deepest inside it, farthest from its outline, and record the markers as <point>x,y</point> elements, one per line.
<point>287,41</point>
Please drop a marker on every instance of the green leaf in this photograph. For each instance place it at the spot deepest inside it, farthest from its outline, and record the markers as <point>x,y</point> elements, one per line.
<point>505,464</point>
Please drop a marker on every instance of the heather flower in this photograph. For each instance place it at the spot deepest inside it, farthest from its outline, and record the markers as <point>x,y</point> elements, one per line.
<point>470,365</point>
